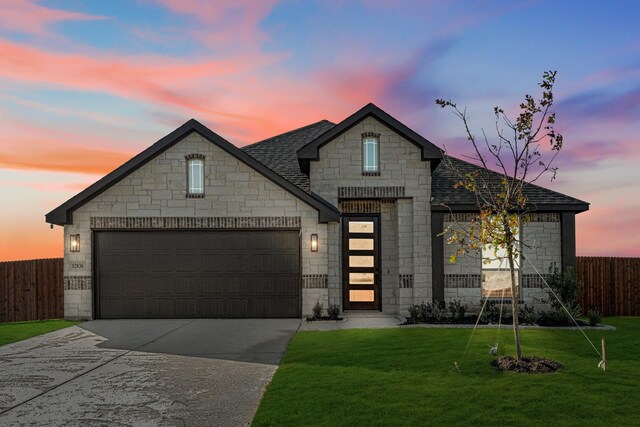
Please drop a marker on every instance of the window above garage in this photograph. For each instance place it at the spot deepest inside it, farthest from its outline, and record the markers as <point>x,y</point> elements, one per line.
<point>195,175</point>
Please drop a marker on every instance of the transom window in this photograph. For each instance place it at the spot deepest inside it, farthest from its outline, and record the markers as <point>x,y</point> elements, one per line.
<point>195,176</point>
<point>370,155</point>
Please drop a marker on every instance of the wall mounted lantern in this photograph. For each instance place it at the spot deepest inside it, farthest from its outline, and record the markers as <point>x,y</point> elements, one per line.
<point>314,243</point>
<point>74,243</point>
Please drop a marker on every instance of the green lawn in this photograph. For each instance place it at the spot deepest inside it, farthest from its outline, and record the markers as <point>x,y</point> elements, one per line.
<point>406,377</point>
<point>18,331</point>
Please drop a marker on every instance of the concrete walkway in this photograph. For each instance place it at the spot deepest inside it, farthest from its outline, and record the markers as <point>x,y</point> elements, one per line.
<point>160,372</point>
<point>354,320</point>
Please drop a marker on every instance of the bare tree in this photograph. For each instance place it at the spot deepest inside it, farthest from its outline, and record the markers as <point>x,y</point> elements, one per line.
<point>520,153</point>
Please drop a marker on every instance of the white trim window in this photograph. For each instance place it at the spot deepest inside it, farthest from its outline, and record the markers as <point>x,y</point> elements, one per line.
<point>496,275</point>
<point>195,177</point>
<point>370,157</point>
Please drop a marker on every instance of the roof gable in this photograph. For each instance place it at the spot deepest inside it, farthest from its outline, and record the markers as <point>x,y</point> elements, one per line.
<point>63,214</point>
<point>311,151</point>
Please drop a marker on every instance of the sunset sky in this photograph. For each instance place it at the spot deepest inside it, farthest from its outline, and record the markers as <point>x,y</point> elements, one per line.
<point>85,85</point>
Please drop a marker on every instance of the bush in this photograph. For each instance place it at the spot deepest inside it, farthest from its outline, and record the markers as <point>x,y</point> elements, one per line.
<point>317,310</point>
<point>565,285</point>
<point>333,311</point>
<point>528,315</point>
<point>438,311</point>
<point>426,311</point>
<point>491,313</point>
<point>414,313</point>
<point>594,317</point>
<point>457,311</point>
<point>557,316</point>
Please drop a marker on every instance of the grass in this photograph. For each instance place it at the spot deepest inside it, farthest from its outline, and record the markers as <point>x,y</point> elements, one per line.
<point>18,331</point>
<point>406,377</point>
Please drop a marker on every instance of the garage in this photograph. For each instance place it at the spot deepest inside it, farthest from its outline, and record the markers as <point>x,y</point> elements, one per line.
<point>197,274</point>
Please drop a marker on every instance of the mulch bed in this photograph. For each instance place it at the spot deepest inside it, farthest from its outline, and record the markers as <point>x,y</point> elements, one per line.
<point>531,365</point>
<point>313,319</point>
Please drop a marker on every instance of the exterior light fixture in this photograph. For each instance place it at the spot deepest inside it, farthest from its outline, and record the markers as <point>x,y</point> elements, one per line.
<point>74,243</point>
<point>314,243</point>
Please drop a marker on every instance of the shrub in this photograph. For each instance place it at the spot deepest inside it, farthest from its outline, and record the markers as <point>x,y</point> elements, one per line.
<point>317,310</point>
<point>426,311</point>
<point>333,311</point>
<point>564,284</point>
<point>438,311</point>
<point>557,316</point>
<point>457,311</point>
<point>594,317</point>
<point>414,313</point>
<point>491,313</point>
<point>528,315</point>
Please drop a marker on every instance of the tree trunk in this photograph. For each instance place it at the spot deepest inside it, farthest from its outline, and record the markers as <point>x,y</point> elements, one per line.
<point>514,294</point>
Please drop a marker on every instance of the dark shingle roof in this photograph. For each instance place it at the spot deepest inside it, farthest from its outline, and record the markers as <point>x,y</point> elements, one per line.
<point>279,152</point>
<point>541,198</point>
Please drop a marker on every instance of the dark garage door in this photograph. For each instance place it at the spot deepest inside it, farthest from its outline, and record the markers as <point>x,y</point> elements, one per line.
<point>182,274</point>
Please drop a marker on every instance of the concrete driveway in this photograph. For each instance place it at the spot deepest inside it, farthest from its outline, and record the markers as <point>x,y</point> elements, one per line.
<point>142,372</point>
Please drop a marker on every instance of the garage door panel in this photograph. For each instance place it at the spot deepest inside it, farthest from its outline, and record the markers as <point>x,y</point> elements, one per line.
<point>185,274</point>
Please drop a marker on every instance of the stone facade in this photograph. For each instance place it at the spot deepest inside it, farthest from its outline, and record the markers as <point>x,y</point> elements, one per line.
<point>155,196</point>
<point>403,184</point>
<point>236,196</point>
<point>542,239</point>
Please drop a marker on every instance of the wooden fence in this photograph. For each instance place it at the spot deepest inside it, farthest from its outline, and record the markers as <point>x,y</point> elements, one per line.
<point>31,290</point>
<point>611,285</point>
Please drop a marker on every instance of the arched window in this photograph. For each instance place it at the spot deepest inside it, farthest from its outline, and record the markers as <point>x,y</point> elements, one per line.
<point>195,175</point>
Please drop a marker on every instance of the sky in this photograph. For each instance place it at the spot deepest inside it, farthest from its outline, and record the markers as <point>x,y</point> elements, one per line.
<point>86,85</point>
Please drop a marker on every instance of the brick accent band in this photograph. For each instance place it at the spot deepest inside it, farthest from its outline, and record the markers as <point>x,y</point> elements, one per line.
<point>532,281</point>
<point>406,280</point>
<point>544,217</point>
<point>315,281</point>
<point>459,216</point>
<point>533,217</point>
<point>475,281</point>
<point>77,283</point>
<point>360,206</point>
<point>195,222</point>
<point>370,192</point>
<point>462,280</point>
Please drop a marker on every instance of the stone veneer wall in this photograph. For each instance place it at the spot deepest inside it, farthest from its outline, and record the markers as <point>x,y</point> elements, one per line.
<point>542,234</point>
<point>155,196</point>
<point>403,177</point>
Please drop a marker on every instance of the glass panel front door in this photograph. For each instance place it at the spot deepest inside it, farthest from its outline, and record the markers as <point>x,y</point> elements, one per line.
<point>361,262</point>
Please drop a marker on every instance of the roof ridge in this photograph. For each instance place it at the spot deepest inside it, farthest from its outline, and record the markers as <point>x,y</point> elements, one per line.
<point>288,132</point>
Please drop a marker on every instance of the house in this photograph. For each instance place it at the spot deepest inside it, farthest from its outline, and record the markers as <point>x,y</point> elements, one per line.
<point>345,214</point>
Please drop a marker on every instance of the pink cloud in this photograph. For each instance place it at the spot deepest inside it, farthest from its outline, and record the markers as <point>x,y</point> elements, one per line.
<point>168,81</point>
<point>608,231</point>
<point>28,17</point>
<point>225,24</point>
<point>25,146</point>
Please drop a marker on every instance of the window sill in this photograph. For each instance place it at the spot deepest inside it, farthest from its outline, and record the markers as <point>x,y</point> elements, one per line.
<point>195,196</point>
<point>370,173</point>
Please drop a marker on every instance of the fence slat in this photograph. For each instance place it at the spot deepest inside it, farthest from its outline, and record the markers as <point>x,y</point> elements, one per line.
<point>31,290</point>
<point>609,284</point>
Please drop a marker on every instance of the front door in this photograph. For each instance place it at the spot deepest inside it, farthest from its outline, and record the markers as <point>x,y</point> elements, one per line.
<point>361,262</point>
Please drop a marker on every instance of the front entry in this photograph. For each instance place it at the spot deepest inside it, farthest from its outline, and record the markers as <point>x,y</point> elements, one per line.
<point>361,262</point>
